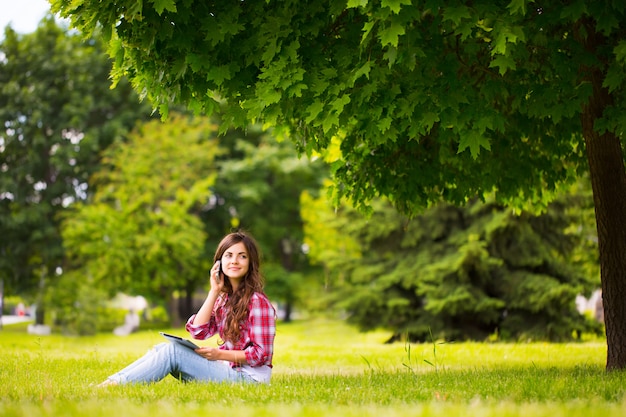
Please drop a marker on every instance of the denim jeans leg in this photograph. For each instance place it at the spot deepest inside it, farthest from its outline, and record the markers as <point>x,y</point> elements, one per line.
<point>179,361</point>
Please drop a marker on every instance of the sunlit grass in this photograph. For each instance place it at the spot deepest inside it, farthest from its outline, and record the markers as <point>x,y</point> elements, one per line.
<point>321,368</point>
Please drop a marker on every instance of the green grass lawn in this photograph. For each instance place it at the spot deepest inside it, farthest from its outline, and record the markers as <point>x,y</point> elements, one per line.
<point>321,368</point>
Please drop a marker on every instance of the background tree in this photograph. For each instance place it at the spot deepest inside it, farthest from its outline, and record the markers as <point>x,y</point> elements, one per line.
<point>57,113</point>
<point>455,273</point>
<point>258,189</point>
<point>141,232</point>
<point>432,100</point>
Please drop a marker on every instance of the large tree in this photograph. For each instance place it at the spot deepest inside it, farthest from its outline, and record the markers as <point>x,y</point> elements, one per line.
<point>431,99</point>
<point>57,112</point>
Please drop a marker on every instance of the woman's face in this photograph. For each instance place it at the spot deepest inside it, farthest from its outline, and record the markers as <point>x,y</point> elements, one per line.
<point>235,261</point>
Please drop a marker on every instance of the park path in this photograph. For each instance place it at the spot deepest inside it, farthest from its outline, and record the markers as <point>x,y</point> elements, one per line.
<point>11,319</point>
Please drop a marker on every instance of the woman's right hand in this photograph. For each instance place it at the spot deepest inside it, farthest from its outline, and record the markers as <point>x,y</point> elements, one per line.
<point>216,280</point>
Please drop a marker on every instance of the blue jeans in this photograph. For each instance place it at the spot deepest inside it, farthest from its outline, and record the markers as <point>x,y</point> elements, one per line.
<point>180,362</point>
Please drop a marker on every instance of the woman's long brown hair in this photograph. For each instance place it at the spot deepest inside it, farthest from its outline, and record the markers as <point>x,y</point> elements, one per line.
<point>237,304</point>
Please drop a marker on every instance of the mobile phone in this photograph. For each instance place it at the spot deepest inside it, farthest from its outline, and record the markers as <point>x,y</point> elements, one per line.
<point>220,272</point>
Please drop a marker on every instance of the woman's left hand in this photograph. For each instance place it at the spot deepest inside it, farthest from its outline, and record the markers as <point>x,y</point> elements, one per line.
<point>212,354</point>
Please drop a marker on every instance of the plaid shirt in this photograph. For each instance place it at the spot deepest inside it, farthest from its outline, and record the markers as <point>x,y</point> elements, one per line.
<point>257,333</point>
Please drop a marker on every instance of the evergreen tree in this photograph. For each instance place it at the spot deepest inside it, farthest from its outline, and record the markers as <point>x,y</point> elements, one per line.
<point>455,273</point>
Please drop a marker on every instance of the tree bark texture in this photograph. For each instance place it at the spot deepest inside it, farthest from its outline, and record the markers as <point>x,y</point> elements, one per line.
<point>608,181</point>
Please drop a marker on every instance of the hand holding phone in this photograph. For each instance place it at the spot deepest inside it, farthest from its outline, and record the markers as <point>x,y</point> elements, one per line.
<point>218,277</point>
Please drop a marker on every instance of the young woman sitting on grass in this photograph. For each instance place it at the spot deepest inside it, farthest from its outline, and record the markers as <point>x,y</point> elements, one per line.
<point>235,308</point>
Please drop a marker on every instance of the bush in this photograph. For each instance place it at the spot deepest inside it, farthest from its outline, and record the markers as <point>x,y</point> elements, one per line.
<point>155,318</point>
<point>78,307</point>
<point>152,318</point>
<point>74,303</point>
<point>109,318</point>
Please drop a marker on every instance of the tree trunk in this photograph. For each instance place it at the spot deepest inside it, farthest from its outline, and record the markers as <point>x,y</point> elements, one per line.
<point>1,300</point>
<point>185,305</point>
<point>609,194</point>
<point>172,310</point>
<point>40,310</point>
<point>288,310</point>
<point>608,181</point>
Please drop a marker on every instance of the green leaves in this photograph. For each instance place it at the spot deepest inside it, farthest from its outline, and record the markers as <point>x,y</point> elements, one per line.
<point>474,141</point>
<point>390,34</point>
<point>504,63</point>
<point>395,5</point>
<point>363,71</point>
<point>456,14</point>
<point>503,35</point>
<point>356,3</point>
<point>407,86</point>
<point>162,5</point>
<point>573,11</point>
<point>429,119</point>
<point>620,52</point>
<point>519,6</point>
<point>314,110</point>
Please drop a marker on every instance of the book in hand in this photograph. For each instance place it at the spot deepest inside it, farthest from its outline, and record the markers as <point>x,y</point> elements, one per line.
<point>179,340</point>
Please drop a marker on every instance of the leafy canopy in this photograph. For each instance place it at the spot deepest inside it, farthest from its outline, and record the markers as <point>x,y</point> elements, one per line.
<point>431,99</point>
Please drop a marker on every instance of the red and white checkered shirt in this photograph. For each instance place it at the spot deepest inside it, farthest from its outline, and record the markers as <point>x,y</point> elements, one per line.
<point>257,333</point>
